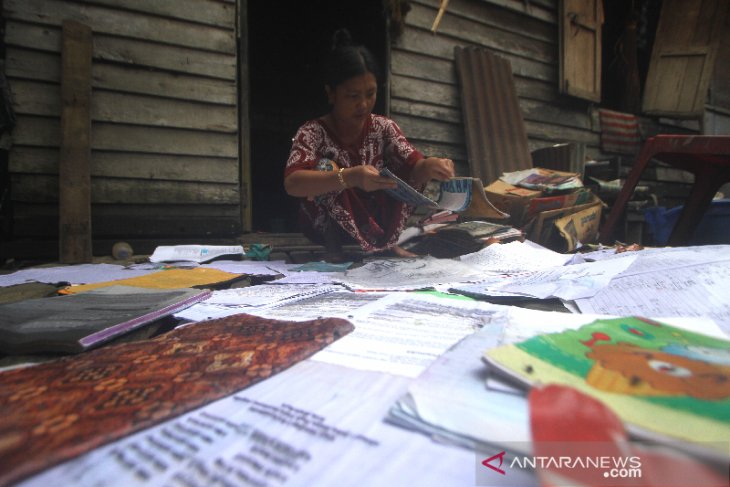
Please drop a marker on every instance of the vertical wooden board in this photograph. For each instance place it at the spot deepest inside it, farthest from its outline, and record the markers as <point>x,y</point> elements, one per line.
<point>580,48</point>
<point>75,158</point>
<point>683,57</point>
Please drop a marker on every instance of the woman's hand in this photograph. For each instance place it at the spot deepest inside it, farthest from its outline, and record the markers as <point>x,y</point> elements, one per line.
<point>367,178</point>
<point>433,168</point>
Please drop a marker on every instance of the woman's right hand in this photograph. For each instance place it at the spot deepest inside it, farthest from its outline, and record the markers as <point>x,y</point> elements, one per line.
<point>367,178</point>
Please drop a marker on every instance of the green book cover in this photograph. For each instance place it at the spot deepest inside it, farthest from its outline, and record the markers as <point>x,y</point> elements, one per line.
<point>658,378</point>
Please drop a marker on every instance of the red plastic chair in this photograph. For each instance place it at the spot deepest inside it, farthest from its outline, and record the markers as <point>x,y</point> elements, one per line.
<point>706,156</point>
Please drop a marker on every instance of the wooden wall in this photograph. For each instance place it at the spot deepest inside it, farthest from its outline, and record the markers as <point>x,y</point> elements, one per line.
<point>165,144</point>
<point>425,97</point>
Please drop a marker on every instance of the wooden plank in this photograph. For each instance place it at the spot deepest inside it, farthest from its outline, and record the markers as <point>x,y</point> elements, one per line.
<point>422,41</point>
<point>487,27</point>
<point>44,132</point>
<point>413,65</point>
<point>221,14</point>
<point>432,130</point>
<point>126,222</point>
<point>74,175</point>
<point>116,22</point>
<point>129,52</point>
<point>422,91</point>
<point>580,48</point>
<point>130,79</point>
<point>399,106</point>
<point>683,57</point>
<point>41,188</point>
<point>126,138</point>
<point>28,64</point>
<point>35,160</point>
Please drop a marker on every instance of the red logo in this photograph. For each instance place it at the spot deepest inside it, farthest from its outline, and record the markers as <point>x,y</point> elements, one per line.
<point>496,469</point>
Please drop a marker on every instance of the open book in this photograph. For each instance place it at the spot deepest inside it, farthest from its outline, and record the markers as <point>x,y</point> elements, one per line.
<point>456,194</point>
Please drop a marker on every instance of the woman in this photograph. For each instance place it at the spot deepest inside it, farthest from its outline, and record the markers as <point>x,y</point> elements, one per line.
<point>335,161</point>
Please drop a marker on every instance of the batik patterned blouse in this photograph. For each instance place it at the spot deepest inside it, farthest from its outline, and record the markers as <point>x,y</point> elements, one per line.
<point>373,219</point>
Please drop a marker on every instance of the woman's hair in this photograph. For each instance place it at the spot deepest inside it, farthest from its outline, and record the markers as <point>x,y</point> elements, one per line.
<point>347,60</point>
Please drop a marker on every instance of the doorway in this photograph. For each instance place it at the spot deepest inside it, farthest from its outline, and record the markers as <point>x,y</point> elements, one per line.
<point>286,45</point>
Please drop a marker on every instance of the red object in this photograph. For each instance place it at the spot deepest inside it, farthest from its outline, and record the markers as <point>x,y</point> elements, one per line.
<point>706,156</point>
<point>568,425</point>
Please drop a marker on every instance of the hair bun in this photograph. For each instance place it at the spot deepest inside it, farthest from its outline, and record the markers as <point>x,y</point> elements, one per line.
<point>341,38</point>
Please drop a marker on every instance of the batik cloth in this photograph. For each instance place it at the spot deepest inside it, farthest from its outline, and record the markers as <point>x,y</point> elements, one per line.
<point>54,411</point>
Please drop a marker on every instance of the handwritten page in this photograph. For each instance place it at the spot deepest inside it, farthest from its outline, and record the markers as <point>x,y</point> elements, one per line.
<point>241,300</point>
<point>314,424</point>
<point>515,257</point>
<point>337,304</point>
<point>408,274</point>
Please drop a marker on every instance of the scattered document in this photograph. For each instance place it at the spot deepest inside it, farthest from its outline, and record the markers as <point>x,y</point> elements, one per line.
<point>228,302</point>
<point>565,282</point>
<point>408,274</point>
<point>403,333</point>
<point>514,257</point>
<point>450,402</point>
<point>72,274</point>
<point>251,267</point>
<point>194,253</point>
<point>666,285</point>
<point>314,424</point>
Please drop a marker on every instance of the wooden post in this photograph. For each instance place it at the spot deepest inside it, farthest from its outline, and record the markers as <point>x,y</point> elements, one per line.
<point>74,171</point>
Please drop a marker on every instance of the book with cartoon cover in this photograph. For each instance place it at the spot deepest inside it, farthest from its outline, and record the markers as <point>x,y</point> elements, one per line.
<point>665,383</point>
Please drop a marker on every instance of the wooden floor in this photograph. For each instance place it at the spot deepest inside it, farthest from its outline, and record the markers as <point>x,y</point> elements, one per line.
<point>291,247</point>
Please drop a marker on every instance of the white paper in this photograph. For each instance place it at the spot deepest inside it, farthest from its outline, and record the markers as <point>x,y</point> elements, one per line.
<point>403,333</point>
<point>450,402</point>
<point>564,282</point>
<point>676,289</point>
<point>228,302</point>
<point>73,274</point>
<point>251,267</point>
<point>515,257</point>
<point>312,425</point>
<point>336,304</point>
<point>194,253</point>
<point>408,274</point>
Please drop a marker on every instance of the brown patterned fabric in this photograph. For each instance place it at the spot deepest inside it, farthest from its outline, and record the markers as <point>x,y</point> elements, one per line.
<point>54,411</point>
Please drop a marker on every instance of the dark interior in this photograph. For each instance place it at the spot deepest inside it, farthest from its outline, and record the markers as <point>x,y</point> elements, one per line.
<point>286,48</point>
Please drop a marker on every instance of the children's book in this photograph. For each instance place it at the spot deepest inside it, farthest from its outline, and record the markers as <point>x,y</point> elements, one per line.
<point>461,194</point>
<point>665,383</point>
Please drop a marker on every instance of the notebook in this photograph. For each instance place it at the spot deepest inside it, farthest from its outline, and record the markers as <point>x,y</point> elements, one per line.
<point>667,384</point>
<point>77,322</point>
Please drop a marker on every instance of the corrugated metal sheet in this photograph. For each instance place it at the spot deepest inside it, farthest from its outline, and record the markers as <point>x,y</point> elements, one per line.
<point>496,138</point>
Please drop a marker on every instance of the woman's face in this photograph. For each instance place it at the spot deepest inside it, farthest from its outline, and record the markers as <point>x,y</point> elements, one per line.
<point>353,100</point>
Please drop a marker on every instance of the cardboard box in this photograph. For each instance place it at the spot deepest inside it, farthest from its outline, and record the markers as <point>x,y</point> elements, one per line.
<point>561,229</point>
<point>511,199</point>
